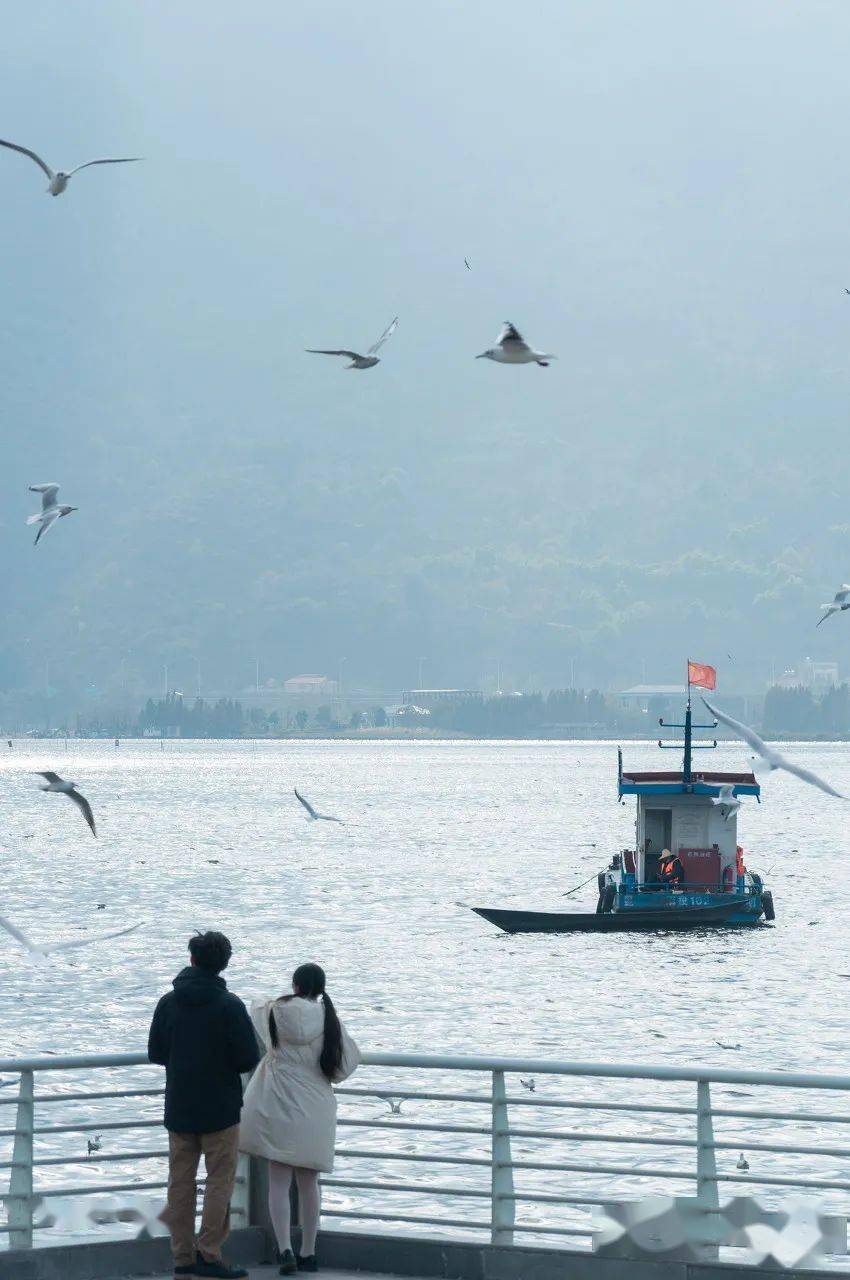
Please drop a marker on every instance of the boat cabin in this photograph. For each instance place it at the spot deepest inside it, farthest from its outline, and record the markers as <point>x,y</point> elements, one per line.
<point>681,815</point>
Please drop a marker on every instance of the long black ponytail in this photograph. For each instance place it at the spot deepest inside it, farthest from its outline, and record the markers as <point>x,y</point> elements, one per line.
<point>309,982</point>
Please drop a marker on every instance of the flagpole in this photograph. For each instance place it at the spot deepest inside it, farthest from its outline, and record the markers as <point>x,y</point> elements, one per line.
<point>686,763</point>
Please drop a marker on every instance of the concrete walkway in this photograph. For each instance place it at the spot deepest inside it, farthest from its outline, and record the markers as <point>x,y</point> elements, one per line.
<point>266,1272</point>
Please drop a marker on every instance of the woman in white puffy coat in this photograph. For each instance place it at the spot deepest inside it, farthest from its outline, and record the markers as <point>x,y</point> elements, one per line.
<point>289,1115</point>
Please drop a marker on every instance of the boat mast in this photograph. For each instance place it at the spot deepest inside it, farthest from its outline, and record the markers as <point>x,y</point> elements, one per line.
<point>688,726</point>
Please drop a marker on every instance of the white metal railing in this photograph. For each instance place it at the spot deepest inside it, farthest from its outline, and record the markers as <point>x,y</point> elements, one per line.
<point>495,1140</point>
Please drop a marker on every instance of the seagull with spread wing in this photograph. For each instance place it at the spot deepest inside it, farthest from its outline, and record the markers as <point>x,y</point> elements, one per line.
<point>69,789</point>
<point>837,605</point>
<point>773,759</point>
<point>511,348</point>
<point>312,814</point>
<point>727,801</point>
<point>358,361</point>
<point>37,949</point>
<point>59,179</point>
<point>51,510</point>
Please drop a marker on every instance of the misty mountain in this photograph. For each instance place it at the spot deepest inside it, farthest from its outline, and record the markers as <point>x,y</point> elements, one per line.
<point>636,195</point>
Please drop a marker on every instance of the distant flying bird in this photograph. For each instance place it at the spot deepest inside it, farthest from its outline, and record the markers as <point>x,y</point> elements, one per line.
<point>36,950</point>
<point>312,814</point>
<point>93,1144</point>
<point>466,264</point>
<point>743,1162</point>
<point>394,1106</point>
<point>723,1045</point>
<point>511,348</point>
<point>51,510</point>
<point>358,361</point>
<point>59,180</point>
<point>847,290</point>
<point>773,759</point>
<point>63,788</point>
<point>838,605</point>
<point>530,1084</point>
<point>726,800</point>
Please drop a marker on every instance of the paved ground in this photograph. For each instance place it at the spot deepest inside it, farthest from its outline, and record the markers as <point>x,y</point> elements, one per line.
<point>266,1272</point>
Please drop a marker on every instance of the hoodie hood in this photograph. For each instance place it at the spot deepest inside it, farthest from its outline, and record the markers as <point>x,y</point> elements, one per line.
<point>194,985</point>
<point>299,1021</point>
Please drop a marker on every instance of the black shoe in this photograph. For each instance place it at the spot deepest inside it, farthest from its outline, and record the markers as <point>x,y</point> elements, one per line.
<point>288,1265</point>
<point>307,1264</point>
<point>217,1270</point>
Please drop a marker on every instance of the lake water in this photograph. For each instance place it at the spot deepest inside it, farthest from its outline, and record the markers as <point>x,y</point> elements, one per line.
<point>203,835</point>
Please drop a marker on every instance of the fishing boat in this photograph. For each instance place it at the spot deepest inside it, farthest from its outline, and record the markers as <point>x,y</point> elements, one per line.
<point>690,816</point>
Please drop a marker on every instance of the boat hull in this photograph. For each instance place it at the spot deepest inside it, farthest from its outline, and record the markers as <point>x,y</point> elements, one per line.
<point>663,918</point>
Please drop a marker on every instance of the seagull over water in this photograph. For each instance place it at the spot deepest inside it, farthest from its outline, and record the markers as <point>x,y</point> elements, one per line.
<point>358,361</point>
<point>727,801</point>
<point>772,758</point>
<point>837,605</point>
<point>51,510</point>
<point>312,814</point>
<point>36,949</point>
<point>511,348</point>
<point>59,179</point>
<point>69,789</point>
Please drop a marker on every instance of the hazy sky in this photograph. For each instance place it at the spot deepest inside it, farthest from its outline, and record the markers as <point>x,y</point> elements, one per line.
<point>659,193</point>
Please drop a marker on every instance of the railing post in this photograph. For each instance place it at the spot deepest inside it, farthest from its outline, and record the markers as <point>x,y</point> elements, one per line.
<point>708,1193</point>
<point>241,1200</point>
<point>502,1204</point>
<point>19,1209</point>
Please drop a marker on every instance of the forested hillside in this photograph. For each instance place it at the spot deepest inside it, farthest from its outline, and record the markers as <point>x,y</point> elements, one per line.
<point>672,228</point>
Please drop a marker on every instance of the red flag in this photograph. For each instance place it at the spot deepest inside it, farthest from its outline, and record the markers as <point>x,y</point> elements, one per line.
<point>703,676</point>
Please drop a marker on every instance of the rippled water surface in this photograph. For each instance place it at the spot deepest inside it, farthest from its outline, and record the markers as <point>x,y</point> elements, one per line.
<point>202,835</point>
<point>209,834</point>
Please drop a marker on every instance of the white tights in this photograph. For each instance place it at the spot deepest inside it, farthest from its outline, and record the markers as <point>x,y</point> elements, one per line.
<point>309,1203</point>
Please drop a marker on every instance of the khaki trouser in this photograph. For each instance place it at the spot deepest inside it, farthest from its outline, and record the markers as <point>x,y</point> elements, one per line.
<point>220,1151</point>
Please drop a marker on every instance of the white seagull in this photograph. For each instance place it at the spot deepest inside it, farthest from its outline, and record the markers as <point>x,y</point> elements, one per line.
<point>59,179</point>
<point>312,814</point>
<point>36,949</point>
<point>772,758</point>
<point>51,510</point>
<point>727,801</point>
<point>838,605</point>
<point>511,348</point>
<point>63,788</point>
<point>358,361</point>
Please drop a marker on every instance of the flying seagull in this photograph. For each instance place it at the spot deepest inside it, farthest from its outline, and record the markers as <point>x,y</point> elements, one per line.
<point>726,800</point>
<point>37,950</point>
<point>59,180</point>
<point>51,510</point>
<point>63,788</point>
<point>742,1162</point>
<point>312,814</point>
<point>358,361</point>
<point>773,759</point>
<point>838,604</point>
<point>466,264</point>
<point>511,348</point>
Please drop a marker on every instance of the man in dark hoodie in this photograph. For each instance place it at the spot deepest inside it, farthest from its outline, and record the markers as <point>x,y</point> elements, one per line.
<point>204,1038</point>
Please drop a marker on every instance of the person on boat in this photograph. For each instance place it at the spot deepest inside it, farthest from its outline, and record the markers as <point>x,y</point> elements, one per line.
<point>290,1109</point>
<point>671,869</point>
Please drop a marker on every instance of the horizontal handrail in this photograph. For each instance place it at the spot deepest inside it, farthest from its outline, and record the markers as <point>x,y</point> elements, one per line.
<point>474,1145</point>
<point>462,1062</point>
